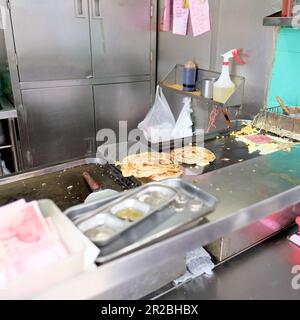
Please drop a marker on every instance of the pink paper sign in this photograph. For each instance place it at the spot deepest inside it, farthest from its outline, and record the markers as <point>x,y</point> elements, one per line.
<point>166,19</point>
<point>180,17</point>
<point>199,10</point>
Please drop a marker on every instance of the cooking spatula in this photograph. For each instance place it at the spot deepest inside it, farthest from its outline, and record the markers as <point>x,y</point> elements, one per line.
<point>98,192</point>
<point>283,107</point>
<point>226,115</point>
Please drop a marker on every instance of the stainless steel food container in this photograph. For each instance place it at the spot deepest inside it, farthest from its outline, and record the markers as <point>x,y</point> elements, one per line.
<point>207,87</point>
<point>151,217</point>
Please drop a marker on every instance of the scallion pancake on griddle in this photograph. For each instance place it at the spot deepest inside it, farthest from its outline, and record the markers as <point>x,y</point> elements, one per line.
<point>152,165</point>
<point>193,155</point>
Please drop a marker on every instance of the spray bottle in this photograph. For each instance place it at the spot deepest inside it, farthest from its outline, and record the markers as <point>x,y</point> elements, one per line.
<point>224,87</point>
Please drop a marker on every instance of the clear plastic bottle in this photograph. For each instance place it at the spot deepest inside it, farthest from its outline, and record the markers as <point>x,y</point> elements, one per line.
<point>225,87</point>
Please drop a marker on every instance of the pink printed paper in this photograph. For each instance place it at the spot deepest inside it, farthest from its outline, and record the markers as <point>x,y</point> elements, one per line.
<point>28,241</point>
<point>199,10</point>
<point>166,19</point>
<point>180,17</point>
<point>260,139</point>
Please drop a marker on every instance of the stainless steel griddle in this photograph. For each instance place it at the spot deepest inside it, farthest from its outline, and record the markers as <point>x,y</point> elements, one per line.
<point>63,183</point>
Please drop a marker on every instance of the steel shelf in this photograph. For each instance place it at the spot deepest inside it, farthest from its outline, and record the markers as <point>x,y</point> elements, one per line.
<point>173,82</point>
<point>276,20</point>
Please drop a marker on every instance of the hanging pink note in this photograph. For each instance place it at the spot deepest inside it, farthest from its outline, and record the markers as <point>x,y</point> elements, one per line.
<point>180,17</point>
<point>199,10</point>
<point>166,19</point>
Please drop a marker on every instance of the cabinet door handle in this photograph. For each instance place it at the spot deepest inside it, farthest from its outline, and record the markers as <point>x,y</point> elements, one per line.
<point>80,8</point>
<point>97,9</point>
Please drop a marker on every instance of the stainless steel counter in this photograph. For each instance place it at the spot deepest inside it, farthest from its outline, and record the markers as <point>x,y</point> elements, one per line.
<point>248,192</point>
<point>264,272</point>
<point>246,184</point>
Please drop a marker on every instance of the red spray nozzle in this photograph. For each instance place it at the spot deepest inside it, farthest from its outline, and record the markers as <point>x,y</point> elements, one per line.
<point>237,57</point>
<point>232,54</point>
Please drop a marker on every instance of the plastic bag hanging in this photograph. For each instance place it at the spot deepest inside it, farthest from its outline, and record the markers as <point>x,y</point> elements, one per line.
<point>184,124</point>
<point>159,122</point>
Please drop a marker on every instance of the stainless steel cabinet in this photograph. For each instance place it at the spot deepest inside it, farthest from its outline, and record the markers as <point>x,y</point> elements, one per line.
<point>60,123</point>
<point>121,37</point>
<point>121,102</point>
<point>52,39</point>
<point>64,49</point>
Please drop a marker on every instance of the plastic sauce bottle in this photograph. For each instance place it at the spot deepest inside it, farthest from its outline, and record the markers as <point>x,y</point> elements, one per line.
<point>224,87</point>
<point>189,76</point>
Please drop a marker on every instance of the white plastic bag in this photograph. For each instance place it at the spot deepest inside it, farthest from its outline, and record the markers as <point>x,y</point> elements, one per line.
<point>159,122</point>
<point>184,124</point>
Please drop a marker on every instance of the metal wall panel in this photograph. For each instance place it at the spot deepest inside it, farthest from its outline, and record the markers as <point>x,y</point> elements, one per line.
<point>241,26</point>
<point>121,37</point>
<point>2,51</point>
<point>60,123</point>
<point>121,102</point>
<point>173,49</point>
<point>235,24</point>
<point>52,39</point>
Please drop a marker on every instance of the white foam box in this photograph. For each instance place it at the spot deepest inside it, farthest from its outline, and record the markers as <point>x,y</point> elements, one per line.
<point>82,254</point>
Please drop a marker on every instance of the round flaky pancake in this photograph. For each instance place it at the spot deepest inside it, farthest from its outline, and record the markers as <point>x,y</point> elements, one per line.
<point>150,164</point>
<point>145,172</point>
<point>167,175</point>
<point>194,155</point>
<point>148,157</point>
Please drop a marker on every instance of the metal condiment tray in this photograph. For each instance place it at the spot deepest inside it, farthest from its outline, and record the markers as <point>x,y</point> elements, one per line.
<point>134,231</point>
<point>162,224</point>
